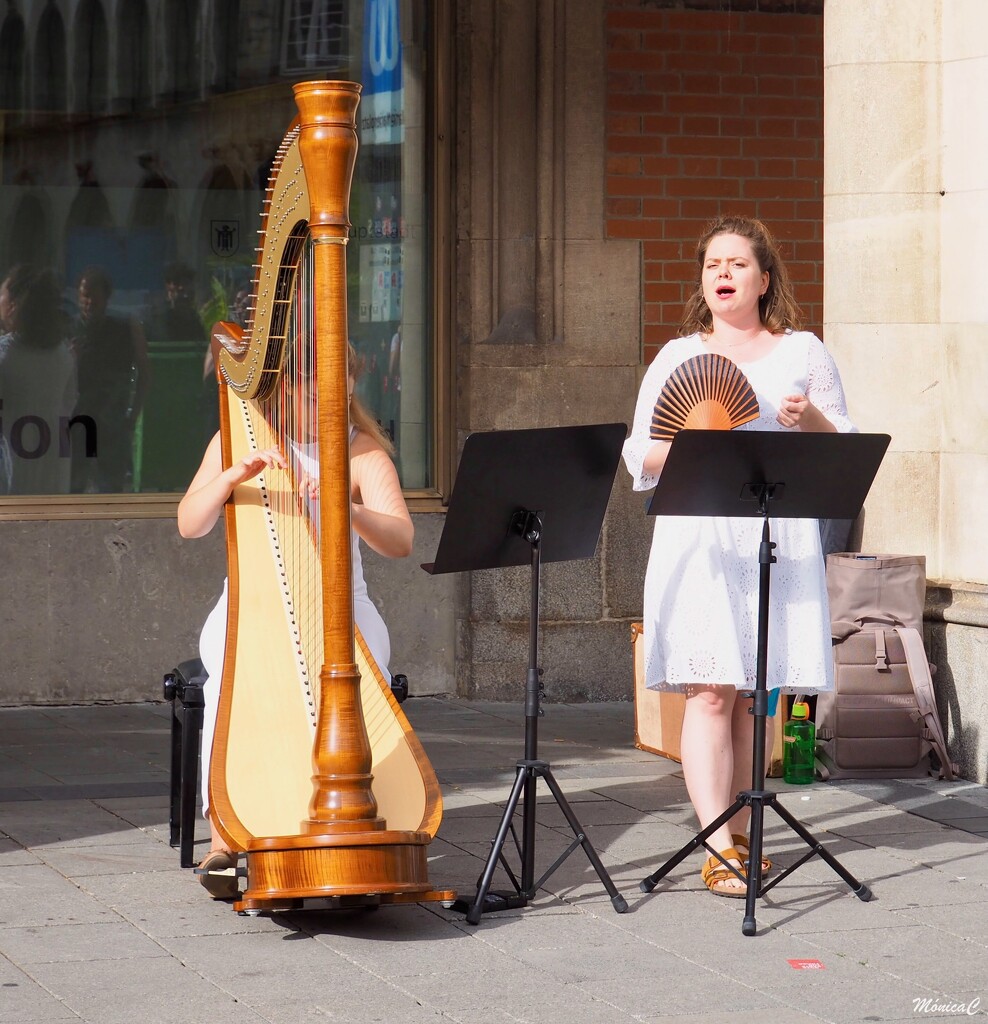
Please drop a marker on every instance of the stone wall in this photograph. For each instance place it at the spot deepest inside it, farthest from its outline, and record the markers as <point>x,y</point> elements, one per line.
<point>906,202</point>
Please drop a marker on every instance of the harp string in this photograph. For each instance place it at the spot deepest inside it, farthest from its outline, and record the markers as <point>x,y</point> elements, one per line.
<point>287,420</point>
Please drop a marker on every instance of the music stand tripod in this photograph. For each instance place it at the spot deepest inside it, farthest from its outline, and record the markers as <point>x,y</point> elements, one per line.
<point>529,496</point>
<point>763,473</point>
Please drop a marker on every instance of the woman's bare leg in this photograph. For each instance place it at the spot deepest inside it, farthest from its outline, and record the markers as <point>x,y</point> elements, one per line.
<point>707,751</point>
<point>742,739</point>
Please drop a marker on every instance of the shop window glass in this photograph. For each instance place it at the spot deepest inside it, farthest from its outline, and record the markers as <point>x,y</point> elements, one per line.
<point>129,207</point>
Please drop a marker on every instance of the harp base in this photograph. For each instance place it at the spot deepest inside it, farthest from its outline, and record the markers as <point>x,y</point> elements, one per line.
<point>366,902</point>
<point>385,866</point>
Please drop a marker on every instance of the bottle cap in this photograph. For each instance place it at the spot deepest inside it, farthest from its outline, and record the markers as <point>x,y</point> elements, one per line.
<point>800,710</point>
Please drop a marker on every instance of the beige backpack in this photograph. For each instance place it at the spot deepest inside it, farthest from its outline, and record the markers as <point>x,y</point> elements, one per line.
<point>881,719</point>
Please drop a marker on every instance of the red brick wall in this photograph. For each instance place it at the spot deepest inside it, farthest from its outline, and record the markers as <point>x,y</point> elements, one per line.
<point>711,112</point>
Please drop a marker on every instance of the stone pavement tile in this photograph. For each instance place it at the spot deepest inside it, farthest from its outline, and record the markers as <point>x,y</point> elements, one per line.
<point>949,809</point>
<point>25,721</point>
<point>672,984</point>
<point>24,1001</point>
<point>848,993</point>
<point>648,795</point>
<point>281,977</point>
<point>912,953</point>
<point>731,1017</point>
<point>589,812</point>
<point>460,826</point>
<point>617,769</point>
<point>152,990</point>
<point>34,895</point>
<point>398,942</point>
<point>60,943</point>
<point>678,811</point>
<point>147,813</point>
<point>13,853</point>
<point>957,788</point>
<point>481,786</point>
<point>166,904</point>
<point>70,822</point>
<point>874,999</point>
<point>462,801</point>
<point>803,801</point>
<point>549,844</point>
<point>956,853</point>
<point>16,774</point>
<point>877,819</point>
<point>107,779</point>
<point>895,880</point>
<point>921,887</point>
<point>109,859</point>
<point>968,921</point>
<point>508,992</point>
<point>800,907</point>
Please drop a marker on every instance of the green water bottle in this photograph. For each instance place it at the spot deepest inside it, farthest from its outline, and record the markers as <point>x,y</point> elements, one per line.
<point>799,741</point>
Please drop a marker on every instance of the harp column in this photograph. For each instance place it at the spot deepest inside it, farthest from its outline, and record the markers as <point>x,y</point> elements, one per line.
<point>342,799</point>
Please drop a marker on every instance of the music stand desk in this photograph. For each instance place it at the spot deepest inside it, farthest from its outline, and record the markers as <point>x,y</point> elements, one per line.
<point>529,496</point>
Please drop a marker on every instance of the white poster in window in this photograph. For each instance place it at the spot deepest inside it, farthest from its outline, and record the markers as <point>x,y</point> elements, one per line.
<point>381,113</point>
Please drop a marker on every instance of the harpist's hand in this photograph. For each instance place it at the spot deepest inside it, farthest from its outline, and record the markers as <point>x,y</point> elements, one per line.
<point>251,465</point>
<point>308,487</point>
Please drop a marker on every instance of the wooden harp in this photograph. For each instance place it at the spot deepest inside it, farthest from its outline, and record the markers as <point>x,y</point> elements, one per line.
<point>315,772</point>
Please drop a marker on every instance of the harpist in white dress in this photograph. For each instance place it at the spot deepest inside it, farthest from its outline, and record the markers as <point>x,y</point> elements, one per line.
<point>701,584</point>
<point>212,639</point>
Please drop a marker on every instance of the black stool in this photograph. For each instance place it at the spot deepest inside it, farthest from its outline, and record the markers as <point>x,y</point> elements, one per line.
<point>183,687</point>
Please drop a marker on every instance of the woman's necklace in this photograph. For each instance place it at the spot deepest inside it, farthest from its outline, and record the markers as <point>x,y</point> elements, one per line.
<point>712,340</point>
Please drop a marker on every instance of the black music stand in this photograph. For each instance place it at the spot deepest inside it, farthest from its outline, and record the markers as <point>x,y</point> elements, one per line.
<point>529,496</point>
<point>749,473</point>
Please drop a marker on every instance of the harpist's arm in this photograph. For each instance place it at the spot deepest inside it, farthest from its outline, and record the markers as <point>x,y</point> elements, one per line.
<point>212,486</point>
<point>379,514</point>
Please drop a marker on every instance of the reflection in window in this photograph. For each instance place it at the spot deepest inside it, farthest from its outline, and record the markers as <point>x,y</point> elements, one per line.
<point>315,34</point>
<point>29,240</point>
<point>133,56</point>
<point>182,49</point>
<point>12,63</point>
<point>150,215</point>
<point>225,44</point>
<point>49,62</point>
<point>91,48</point>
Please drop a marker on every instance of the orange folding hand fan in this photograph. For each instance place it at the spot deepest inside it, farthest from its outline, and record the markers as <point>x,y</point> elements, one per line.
<point>707,392</point>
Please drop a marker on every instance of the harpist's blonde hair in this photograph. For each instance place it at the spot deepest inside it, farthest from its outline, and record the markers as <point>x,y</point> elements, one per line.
<point>360,416</point>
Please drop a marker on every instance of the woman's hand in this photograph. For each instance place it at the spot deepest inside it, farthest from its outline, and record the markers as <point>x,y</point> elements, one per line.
<point>799,411</point>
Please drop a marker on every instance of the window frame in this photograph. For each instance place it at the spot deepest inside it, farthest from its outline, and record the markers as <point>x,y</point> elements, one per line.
<point>439,292</point>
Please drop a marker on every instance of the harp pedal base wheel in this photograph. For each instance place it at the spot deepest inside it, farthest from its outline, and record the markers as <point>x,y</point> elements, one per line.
<point>253,907</point>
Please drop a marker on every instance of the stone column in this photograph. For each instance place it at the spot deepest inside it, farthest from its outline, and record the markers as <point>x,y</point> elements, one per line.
<point>905,307</point>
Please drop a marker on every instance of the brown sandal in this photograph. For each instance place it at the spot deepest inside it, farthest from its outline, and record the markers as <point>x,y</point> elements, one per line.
<point>744,848</point>
<point>213,874</point>
<point>718,876</point>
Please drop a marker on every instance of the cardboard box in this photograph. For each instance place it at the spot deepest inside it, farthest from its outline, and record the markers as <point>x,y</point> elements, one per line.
<point>659,716</point>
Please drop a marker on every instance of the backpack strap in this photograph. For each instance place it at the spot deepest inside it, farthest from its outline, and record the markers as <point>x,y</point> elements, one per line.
<point>919,675</point>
